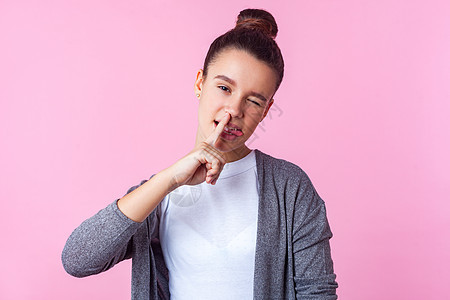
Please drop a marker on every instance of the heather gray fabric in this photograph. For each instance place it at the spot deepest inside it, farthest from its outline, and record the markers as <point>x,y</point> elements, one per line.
<point>293,259</point>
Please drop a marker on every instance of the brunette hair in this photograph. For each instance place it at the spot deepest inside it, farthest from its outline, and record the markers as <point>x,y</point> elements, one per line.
<point>254,33</point>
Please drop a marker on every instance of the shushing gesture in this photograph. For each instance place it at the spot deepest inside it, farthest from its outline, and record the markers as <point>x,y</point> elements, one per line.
<point>203,163</point>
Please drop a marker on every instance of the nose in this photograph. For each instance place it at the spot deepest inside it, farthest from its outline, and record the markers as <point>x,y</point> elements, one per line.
<point>235,107</point>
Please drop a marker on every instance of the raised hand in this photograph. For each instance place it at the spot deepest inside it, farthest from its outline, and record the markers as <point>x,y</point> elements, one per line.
<point>203,163</point>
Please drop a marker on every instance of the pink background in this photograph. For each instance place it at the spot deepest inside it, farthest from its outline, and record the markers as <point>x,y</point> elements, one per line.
<point>97,95</point>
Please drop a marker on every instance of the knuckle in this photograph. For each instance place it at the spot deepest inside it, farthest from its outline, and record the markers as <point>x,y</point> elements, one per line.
<point>205,144</point>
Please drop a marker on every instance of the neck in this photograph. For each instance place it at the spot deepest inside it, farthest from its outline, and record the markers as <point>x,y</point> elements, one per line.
<point>236,154</point>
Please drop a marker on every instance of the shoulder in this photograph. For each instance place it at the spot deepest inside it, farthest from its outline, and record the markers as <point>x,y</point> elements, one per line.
<point>287,179</point>
<point>278,166</point>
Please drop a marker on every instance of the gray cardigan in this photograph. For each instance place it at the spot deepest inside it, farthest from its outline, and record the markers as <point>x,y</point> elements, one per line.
<point>292,260</point>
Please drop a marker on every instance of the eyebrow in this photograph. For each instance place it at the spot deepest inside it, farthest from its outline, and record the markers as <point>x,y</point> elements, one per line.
<point>232,82</point>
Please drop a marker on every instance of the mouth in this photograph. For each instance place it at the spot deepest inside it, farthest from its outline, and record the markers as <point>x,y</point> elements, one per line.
<point>231,129</point>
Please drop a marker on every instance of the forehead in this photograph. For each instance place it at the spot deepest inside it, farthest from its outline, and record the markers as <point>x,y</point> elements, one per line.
<point>248,72</point>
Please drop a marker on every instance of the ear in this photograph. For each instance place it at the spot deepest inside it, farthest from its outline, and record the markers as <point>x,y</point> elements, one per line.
<point>267,109</point>
<point>199,82</point>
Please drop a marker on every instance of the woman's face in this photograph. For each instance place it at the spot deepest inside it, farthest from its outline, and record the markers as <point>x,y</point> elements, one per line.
<point>241,85</point>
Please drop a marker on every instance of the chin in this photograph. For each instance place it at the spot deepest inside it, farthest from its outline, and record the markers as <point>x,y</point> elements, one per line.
<point>225,147</point>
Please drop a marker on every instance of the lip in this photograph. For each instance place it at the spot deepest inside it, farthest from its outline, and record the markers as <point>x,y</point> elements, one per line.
<point>229,125</point>
<point>236,130</point>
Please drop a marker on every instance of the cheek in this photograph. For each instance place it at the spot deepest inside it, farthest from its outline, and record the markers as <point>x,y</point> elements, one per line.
<point>254,117</point>
<point>207,110</point>
<point>211,103</point>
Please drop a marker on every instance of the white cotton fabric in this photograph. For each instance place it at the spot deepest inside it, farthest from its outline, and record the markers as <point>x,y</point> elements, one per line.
<point>208,235</point>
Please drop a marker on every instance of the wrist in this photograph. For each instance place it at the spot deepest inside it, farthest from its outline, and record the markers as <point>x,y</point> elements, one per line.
<point>168,176</point>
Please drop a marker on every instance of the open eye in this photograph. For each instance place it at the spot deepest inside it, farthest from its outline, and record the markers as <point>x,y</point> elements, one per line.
<point>224,88</point>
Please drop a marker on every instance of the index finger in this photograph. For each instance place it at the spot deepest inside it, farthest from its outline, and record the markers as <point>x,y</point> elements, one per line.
<point>212,139</point>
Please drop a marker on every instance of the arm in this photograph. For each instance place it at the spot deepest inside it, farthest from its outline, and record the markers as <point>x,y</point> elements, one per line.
<point>203,163</point>
<point>313,274</point>
<point>105,239</point>
<point>99,242</point>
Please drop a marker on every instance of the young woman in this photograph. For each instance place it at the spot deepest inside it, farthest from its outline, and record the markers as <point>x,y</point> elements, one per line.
<point>224,221</point>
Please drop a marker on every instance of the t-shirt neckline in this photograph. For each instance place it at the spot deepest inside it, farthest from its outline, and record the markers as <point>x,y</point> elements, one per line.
<point>239,166</point>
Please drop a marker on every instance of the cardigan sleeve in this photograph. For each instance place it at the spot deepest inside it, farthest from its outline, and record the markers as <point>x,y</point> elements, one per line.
<point>313,267</point>
<point>100,242</point>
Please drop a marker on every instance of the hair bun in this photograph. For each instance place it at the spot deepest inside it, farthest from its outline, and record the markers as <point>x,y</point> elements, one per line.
<point>257,19</point>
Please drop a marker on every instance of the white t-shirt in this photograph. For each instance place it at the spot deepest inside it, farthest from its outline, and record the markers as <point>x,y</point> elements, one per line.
<point>208,235</point>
